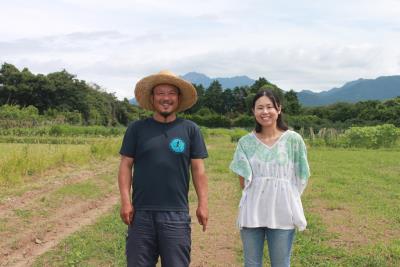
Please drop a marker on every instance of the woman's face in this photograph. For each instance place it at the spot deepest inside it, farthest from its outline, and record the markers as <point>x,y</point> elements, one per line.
<point>265,112</point>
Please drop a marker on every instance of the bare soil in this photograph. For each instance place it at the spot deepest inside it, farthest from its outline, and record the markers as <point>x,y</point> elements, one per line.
<point>36,221</point>
<point>218,246</point>
<point>350,229</point>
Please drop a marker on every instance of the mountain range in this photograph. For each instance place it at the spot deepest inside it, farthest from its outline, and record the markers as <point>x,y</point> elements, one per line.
<point>381,88</point>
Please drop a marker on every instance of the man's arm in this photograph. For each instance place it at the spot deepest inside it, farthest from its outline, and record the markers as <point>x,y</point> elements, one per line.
<point>200,182</point>
<point>125,184</point>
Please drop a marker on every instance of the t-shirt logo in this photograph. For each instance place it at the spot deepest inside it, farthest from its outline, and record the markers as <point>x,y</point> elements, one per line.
<point>177,145</point>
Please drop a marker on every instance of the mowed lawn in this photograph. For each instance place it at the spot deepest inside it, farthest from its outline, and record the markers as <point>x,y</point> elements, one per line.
<point>352,205</point>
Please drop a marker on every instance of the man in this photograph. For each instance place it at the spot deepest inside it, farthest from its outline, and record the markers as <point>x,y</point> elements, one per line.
<point>162,149</point>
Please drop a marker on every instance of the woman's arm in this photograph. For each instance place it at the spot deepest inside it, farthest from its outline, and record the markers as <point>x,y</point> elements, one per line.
<point>241,181</point>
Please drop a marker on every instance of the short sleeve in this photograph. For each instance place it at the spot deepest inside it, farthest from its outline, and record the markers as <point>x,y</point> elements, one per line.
<point>128,147</point>
<point>302,169</point>
<point>198,148</point>
<point>240,164</point>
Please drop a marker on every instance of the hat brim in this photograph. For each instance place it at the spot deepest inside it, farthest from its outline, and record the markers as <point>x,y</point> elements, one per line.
<point>143,91</point>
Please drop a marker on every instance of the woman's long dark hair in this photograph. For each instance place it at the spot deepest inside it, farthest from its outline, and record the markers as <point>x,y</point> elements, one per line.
<point>277,103</point>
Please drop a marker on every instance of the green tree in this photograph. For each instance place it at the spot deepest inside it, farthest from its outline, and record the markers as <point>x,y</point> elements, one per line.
<point>10,79</point>
<point>341,111</point>
<point>292,105</point>
<point>61,95</point>
<point>258,84</point>
<point>200,99</point>
<point>239,96</point>
<point>367,110</point>
<point>213,97</point>
<point>228,101</point>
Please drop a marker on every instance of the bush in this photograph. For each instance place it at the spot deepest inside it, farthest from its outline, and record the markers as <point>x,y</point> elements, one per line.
<point>304,121</point>
<point>56,130</point>
<point>212,121</point>
<point>204,131</point>
<point>70,117</point>
<point>63,130</point>
<point>236,134</point>
<point>243,121</point>
<point>372,137</point>
<point>17,113</point>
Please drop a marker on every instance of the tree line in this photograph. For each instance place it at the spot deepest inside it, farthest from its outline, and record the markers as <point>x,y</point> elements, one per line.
<point>62,95</point>
<point>232,107</point>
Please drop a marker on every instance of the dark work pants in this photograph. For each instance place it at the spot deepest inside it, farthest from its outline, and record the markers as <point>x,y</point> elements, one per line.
<point>159,233</point>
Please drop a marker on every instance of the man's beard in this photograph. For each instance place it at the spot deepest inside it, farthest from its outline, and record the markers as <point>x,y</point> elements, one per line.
<point>165,114</point>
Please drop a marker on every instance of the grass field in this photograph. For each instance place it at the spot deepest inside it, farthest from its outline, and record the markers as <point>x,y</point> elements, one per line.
<point>352,205</point>
<point>24,160</point>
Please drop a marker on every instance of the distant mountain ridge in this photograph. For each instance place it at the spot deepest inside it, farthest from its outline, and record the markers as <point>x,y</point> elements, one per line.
<point>133,101</point>
<point>231,82</point>
<point>381,88</point>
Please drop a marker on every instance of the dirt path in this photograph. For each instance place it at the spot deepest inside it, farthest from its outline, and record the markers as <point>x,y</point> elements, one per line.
<point>217,246</point>
<point>40,218</point>
<point>40,187</point>
<point>78,217</point>
<point>351,229</point>
<point>48,210</point>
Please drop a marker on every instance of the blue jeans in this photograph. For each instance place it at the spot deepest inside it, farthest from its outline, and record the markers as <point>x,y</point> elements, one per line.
<point>279,246</point>
<point>159,233</point>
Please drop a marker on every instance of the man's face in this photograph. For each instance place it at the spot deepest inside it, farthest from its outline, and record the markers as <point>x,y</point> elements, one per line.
<point>165,99</point>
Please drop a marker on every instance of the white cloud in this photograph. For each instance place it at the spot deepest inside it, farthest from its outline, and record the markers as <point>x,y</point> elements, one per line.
<point>297,45</point>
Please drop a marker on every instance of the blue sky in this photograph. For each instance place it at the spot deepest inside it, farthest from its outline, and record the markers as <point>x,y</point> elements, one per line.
<point>304,44</point>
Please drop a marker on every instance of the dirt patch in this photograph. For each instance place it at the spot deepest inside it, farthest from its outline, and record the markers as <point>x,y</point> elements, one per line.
<point>35,243</point>
<point>352,230</point>
<point>31,226</point>
<point>219,244</point>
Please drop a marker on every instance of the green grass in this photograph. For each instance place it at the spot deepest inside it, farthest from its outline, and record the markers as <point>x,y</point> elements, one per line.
<point>23,214</point>
<point>19,161</point>
<point>3,223</point>
<point>357,190</point>
<point>364,183</point>
<point>66,140</point>
<point>64,130</point>
<point>102,244</point>
<point>84,190</point>
<point>364,180</point>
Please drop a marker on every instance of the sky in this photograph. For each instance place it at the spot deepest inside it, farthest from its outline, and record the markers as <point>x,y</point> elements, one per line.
<point>300,45</point>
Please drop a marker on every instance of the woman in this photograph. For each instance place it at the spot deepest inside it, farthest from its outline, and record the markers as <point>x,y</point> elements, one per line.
<point>273,171</point>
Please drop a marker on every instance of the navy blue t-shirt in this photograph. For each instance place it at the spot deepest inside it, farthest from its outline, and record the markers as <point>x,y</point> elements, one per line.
<point>162,154</point>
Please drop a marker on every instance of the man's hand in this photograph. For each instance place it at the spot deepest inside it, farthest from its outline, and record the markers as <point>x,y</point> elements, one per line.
<point>125,184</point>
<point>200,182</point>
<point>126,212</point>
<point>202,216</point>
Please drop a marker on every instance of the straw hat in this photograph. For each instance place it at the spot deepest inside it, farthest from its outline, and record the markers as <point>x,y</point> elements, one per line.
<point>143,90</point>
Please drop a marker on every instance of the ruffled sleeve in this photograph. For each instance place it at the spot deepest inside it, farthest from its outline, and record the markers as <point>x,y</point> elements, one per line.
<point>240,163</point>
<point>302,169</point>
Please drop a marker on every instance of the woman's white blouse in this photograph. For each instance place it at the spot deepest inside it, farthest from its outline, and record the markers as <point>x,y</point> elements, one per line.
<point>275,178</point>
